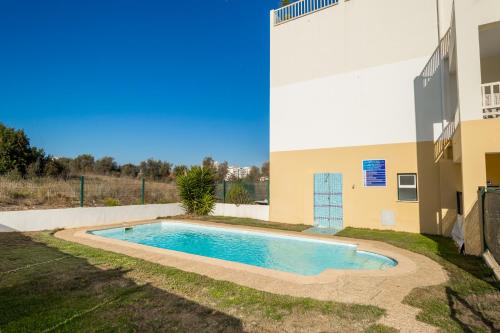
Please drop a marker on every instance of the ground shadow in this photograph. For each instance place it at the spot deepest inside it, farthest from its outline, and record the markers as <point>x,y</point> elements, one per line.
<point>4,228</point>
<point>472,304</point>
<point>448,250</point>
<point>456,301</point>
<point>42,288</point>
<point>435,91</point>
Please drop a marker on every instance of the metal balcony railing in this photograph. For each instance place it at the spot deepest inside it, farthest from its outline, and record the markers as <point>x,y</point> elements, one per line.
<point>440,53</point>
<point>491,109</point>
<point>300,8</point>
<point>491,100</point>
<point>445,138</point>
<point>436,63</point>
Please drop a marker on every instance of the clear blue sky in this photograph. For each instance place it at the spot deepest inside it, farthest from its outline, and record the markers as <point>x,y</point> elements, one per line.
<point>173,80</point>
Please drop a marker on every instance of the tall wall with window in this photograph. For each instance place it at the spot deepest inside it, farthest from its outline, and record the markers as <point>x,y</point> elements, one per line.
<point>346,87</point>
<point>477,62</point>
<point>361,81</point>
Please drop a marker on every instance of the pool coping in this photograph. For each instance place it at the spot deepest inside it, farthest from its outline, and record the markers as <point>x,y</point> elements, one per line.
<point>384,288</point>
<point>404,265</point>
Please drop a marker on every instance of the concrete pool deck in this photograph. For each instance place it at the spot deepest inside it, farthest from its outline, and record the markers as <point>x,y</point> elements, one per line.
<point>384,288</point>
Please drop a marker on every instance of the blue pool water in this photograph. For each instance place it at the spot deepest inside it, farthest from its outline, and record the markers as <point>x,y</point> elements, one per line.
<point>292,254</point>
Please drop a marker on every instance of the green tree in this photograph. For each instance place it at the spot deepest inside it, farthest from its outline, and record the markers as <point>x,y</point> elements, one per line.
<point>155,169</point>
<point>16,154</point>
<point>264,169</point>
<point>106,166</point>
<point>209,163</point>
<point>82,164</point>
<point>180,170</point>
<point>254,174</point>
<point>222,170</point>
<point>65,161</point>
<point>197,190</point>
<point>56,168</point>
<point>129,170</point>
<point>38,164</point>
<point>284,3</point>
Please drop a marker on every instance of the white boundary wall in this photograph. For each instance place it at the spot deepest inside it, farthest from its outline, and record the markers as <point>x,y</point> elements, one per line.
<point>259,212</point>
<point>49,219</point>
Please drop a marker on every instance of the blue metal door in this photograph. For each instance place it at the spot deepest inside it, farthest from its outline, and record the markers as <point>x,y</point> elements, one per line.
<point>328,211</point>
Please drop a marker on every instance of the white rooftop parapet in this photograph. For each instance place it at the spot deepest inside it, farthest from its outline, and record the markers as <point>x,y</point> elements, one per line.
<point>300,8</point>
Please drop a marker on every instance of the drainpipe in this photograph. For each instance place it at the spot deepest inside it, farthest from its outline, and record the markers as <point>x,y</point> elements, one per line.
<point>441,69</point>
<point>441,81</point>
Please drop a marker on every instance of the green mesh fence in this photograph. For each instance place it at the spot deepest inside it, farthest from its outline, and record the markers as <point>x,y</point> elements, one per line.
<point>257,192</point>
<point>491,220</point>
<point>45,193</point>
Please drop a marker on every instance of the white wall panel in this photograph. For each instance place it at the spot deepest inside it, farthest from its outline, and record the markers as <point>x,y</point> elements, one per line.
<point>49,219</point>
<point>371,106</point>
<point>259,212</point>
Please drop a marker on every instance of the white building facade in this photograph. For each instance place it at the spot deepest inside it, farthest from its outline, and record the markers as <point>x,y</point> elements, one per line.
<point>384,114</point>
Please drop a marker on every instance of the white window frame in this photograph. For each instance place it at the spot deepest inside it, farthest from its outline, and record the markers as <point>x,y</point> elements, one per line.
<point>414,186</point>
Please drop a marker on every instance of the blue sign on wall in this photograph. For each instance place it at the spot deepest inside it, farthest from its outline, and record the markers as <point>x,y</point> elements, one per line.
<point>374,174</point>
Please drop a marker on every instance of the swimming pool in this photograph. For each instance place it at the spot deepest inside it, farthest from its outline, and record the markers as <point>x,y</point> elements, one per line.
<point>293,254</point>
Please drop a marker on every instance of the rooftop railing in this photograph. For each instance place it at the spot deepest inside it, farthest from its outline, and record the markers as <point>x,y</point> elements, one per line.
<point>300,8</point>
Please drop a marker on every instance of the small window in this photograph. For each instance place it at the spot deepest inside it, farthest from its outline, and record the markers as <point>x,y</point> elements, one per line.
<point>407,187</point>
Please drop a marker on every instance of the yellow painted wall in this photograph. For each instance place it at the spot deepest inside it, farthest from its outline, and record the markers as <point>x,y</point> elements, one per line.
<point>292,176</point>
<point>493,168</point>
<point>450,179</point>
<point>478,138</point>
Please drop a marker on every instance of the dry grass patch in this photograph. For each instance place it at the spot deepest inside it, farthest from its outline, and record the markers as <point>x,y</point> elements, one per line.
<point>44,193</point>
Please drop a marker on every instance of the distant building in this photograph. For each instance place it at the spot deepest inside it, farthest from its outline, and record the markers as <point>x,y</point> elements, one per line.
<point>237,172</point>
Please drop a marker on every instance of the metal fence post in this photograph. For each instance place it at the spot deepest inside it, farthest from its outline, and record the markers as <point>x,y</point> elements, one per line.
<point>481,194</point>
<point>224,191</point>
<point>82,190</point>
<point>143,186</point>
<point>268,193</point>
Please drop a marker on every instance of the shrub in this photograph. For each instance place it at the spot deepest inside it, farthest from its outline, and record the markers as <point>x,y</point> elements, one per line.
<point>19,194</point>
<point>110,202</point>
<point>197,190</point>
<point>56,168</point>
<point>238,194</point>
<point>14,175</point>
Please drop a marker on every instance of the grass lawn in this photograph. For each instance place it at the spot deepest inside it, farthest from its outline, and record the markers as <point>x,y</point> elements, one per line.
<point>468,302</point>
<point>50,285</point>
<point>245,222</point>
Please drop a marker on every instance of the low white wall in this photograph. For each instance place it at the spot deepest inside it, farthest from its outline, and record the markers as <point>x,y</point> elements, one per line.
<point>49,219</point>
<point>259,212</point>
<point>35,220</point>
